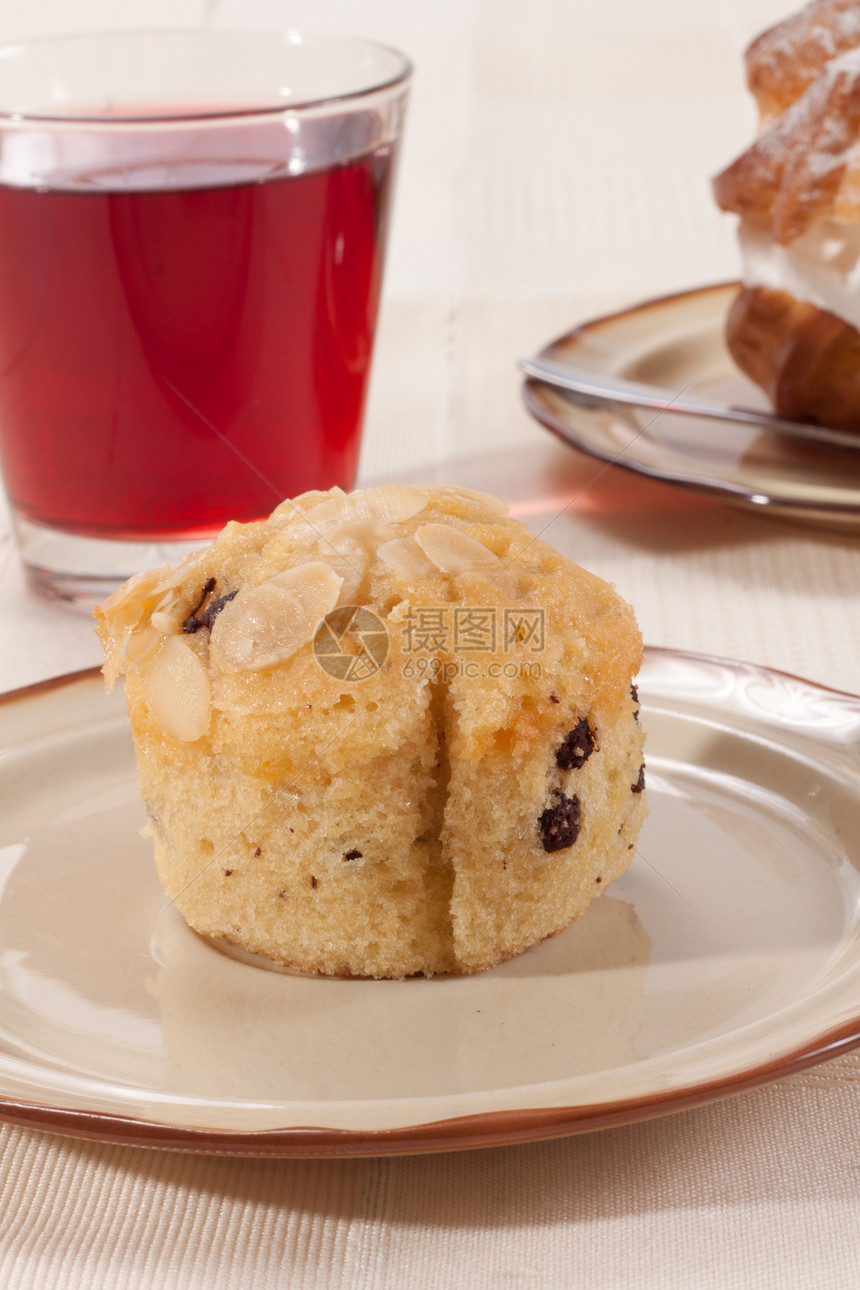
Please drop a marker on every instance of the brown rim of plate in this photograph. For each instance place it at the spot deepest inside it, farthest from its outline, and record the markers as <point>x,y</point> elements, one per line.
<point>643,306</point>
<point>50,683</point>
<point>469,1132</point>
<point>719,490</point>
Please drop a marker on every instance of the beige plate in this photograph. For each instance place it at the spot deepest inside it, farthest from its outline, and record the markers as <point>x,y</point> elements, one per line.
<point>677,344</point>
<point>727,955</point>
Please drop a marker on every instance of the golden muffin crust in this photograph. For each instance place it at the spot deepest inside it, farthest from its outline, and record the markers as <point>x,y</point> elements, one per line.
<point>382,733</point>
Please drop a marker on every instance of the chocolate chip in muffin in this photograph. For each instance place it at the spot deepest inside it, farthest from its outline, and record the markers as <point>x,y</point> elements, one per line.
<point>211,612</point>
<point>577,747</point>
<point>559,824</point>
<point>639,786</point>
<point>354,854</point>
<point>196,620</point>
<point>192,622</point>
<point>634,695</point>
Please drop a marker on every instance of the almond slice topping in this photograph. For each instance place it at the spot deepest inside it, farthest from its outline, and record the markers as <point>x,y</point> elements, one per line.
<point>391,503</point>
<point>177,690</point>
<point>296,508</point>
<point>270,623</point>
<point>164,623</point>
<point>140,644</point>
<point>406,559</point>
<point>452,550</point>
<point>473,495</point>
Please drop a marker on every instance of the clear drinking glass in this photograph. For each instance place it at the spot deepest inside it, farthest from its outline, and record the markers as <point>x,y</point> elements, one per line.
<point>192,232</point>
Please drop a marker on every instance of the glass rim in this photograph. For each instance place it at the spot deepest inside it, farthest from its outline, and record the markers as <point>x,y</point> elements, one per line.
<point>291,36</point>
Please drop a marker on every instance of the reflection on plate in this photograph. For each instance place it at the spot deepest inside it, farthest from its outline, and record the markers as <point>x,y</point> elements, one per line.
<point>727,955</point>
<point>677,343</point>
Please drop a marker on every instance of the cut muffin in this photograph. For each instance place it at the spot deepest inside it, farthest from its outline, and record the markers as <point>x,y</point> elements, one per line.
<point>382,733</point>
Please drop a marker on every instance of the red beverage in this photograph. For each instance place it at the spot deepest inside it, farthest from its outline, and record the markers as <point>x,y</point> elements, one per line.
<point>171,359</point>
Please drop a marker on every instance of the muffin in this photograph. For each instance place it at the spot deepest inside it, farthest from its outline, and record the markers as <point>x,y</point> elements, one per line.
<point>382,733</point>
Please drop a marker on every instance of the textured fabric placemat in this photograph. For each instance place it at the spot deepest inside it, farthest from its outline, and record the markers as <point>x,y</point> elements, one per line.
<point>761,1190</point>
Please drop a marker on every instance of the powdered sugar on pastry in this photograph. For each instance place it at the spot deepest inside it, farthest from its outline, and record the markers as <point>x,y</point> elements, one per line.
<point>806,165</point>
<point>784,61</point>
<point>794,328</point>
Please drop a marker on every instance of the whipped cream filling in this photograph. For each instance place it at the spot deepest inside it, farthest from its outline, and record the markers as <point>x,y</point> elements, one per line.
<point>821,267</point>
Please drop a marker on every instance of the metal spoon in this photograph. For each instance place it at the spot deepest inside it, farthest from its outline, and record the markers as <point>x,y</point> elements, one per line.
<point>592,388</point>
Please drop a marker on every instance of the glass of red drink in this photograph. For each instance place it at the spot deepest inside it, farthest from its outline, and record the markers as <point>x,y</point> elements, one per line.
<point>192,230</point>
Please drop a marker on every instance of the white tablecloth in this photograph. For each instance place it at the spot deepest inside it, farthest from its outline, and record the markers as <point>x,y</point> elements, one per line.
<point>557,164</point>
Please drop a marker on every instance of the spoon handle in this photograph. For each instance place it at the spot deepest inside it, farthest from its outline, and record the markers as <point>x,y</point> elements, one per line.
<point>591,386</point>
